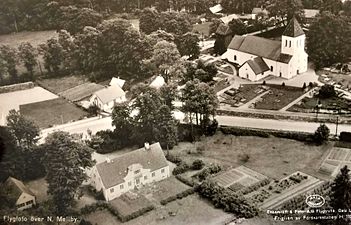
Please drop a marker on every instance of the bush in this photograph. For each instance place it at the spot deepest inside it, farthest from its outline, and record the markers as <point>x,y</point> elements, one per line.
<point>185,180</point>
<point>256,186</point>
<point>321,135</point>
<point>244,158</point>
<point>174,159</point>
<point>180,195</point>
<point>326,91</point>
<point>104,142</point>
<point>181,168</point>
<point>198,164</point>
<point>304,85</point>
<point>211,128</point>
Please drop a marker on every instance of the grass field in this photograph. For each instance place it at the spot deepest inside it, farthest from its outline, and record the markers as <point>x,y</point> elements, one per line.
<point>60,84</point>
<point>52,112</point>
<point>286,155</point>
<point>278,97</point>
<point>203,28</point>
<point>129,203</point>
<point>12,100</point>
<point>33,37</point>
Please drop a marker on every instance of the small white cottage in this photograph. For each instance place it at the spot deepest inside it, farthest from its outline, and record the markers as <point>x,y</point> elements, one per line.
<point>108,97</point>
<point>19,194</point>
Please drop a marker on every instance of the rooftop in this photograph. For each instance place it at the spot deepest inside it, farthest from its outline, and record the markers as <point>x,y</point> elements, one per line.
<point>258,65</point>
<point>293,29</point>
<point>16,188</point>
<point>112,173</point>
<point>110,93</point>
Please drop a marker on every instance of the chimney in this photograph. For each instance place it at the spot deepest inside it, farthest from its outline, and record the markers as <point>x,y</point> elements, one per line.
<point>108,160</point>
<point>147,146</point>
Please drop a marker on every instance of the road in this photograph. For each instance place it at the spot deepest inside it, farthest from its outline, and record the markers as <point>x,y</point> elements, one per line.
<point>96,124</point>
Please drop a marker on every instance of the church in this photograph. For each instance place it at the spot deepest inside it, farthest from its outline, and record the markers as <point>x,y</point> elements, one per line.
<point>259,57</point>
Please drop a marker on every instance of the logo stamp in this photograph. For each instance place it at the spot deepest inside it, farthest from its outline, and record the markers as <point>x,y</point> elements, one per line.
<point>315,201</point>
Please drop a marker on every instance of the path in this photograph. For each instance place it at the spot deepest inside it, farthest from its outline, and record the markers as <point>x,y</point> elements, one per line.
<point>297,100</point>
<point>252,101</point>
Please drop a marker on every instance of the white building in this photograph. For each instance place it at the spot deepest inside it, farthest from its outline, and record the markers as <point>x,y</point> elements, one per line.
<point>108,97</point>
<point>158,82</point>
<point>131,170</point>
<point>19,194</point>
<point>117,81</point>
<point>259,57</point>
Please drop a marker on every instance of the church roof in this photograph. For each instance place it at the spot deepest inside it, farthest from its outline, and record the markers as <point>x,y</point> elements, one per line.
<point>258,65</point>
<point>293,29</point>
<point>259,46</point>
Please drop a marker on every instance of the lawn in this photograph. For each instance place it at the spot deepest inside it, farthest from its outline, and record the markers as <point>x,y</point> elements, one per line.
<point>165,188</point>
<point>52,112</point>
<point>191,210</point>
<point>33,37</point>
<point>12,100</point>
<point>129,203</point>
<point>60,84</point>
<point>286,155</point>
<point>203,28</point>
<point>278,97</point>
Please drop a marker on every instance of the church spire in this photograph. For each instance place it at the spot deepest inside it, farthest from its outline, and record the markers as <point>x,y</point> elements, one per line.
<point>293,29</point>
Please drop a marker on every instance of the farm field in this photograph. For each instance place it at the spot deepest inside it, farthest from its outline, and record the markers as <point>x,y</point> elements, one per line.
<point>182,210</point>
<point>278,97</point>
<point>36,94</point>
<point>33,37</point>
<point>258,154</point>
<point>60,84</point>
<point>337,158</point>
<point>52,112</point>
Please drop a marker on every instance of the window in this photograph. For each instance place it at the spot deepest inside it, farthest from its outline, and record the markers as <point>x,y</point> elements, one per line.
<point>163,170</point>
<point>145,177</point>
<point>129,183</point>
<point>29,202</point>
<point>289,44</point>
<point>286,43</point>
<point>280,74</point>
<point>235,58</point>
<point>153,174</point>
<point>121,186</point>
<point>136,171</point>
<point>272,68</point>
<point>112,190</point>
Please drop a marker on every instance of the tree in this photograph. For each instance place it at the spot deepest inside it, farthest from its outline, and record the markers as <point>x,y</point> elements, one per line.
<point>340,196</point>
<point>53,56</point>
<point>333,6</point>
<point>175,23</point>
<point>326,91</point>
<point>123,123</point>
<point>328,40</point>
<point>215,22</point>
<point>201,71</point>
<point>188,44</point>
<point>165,54</point>
<point>347,8</point>
<point>68,50</point>
<point>149,21</point>
<point>28,55</point>
<point>168,94</point>
<point>287,8</point>
<point>160,35</point>
<point>9,55</point>
<point>237,27</point>
<point>321,135</point>
<point>65,161</point>
<point>166,127</point>
<point>24,130</point>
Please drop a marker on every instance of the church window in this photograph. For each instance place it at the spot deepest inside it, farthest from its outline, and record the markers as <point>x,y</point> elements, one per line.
<point>289,44</point>
<point>286,43</point>
<point>235,58</point>
<point>272,68</point>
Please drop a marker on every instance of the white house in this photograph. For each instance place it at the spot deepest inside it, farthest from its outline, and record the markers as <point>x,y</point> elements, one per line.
<point>106,98</point>
<point>117,81</point>
<point>259,57</point>
<point>131,170</point>
<point>216,8</point>
<point>19,194</point>
<point>259,11</point>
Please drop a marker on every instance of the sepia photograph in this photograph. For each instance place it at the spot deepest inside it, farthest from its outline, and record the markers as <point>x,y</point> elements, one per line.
<point>175,112</point>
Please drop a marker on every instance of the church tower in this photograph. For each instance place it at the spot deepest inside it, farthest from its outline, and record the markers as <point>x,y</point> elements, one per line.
<point>293,39</point>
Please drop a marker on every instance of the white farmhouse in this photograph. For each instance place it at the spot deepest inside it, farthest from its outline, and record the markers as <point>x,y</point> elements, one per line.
<point>259,57</point>
<point>131,170</point>
<point>107,98</point>
<point>19,194</point>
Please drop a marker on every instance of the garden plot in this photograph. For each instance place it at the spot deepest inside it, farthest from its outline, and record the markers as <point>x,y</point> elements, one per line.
<point>12,100</point>
<point>337,158</point>
<point>238,178</point>
<point>276,193</point>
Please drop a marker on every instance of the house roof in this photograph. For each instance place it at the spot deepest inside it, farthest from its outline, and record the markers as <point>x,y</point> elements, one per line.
<point>293,29</point>
<point>223,29</point>
<point>113,172</point>
<point>216,9</point>
<point>158,82</point>
<point>227,19</point>
<point>259,10</point>
<point>258,65</point>
<point>117,81</point>
<point>310,13</point>
<point>110,93</point>
<point>16,188</point>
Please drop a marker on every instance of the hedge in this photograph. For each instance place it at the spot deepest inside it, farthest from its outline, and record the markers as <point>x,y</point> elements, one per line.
<point>345,136</point>
<point>255,187</point>
<point>185,181</point>
<point>240,131</point>
<point>181,168</point>
<point>180,195</point>
<point>136,214</point>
